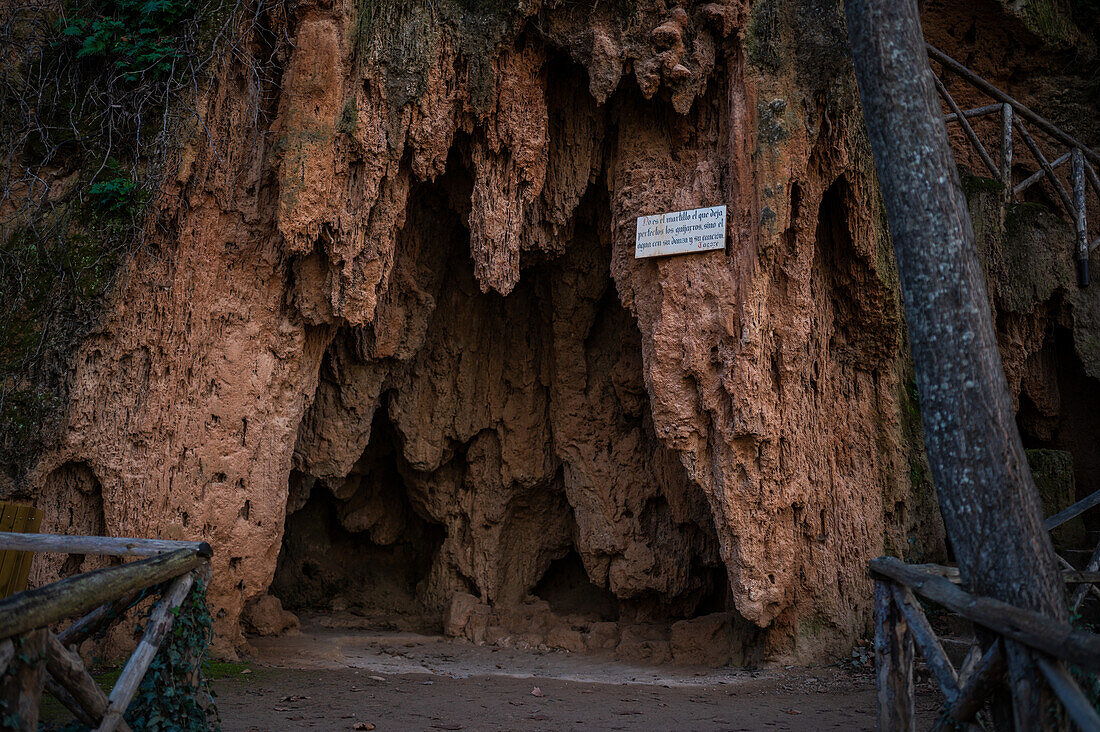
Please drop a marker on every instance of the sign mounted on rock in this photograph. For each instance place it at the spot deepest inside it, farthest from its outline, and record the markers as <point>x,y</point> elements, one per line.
<point>681,232</point>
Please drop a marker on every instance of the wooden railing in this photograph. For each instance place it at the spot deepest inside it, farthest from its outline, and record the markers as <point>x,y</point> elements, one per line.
<point>32,656</point>
<point>1082,160</point>
<point>1084,587</point>
<point>901,627</point>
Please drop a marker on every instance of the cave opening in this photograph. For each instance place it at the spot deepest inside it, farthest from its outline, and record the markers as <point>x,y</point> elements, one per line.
<point>357,546</point>
<point>569,590</point>
<point>487,464</point>
<point>1059,402</point>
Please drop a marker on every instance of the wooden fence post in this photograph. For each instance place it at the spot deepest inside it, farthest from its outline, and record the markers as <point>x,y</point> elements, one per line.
<point>1006,157</point>
<point>893,664</point>
<point>1081,250</point>
<point>22,688</point>
<point>156,629</point>
<point>68,672</point>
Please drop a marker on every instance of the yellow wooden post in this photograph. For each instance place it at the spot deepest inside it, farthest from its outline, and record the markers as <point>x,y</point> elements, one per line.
<point>15,566</point>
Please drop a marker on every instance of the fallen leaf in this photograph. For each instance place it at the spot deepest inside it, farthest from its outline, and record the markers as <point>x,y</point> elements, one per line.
<point>376,678</point>
<point>536,691</point>
<point>793,711</point>
<point>363,725</point>
<point>246,671</point>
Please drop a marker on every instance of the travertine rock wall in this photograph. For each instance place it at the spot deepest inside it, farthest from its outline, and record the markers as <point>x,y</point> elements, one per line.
<point>420,216</point>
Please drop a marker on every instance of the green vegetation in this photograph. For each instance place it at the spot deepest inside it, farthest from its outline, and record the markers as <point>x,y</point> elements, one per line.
<point>770,119</point>
<point>1050,20</point>
<point>136,37</point>
<point>403,36</point>
<point>175,695</point>
<point>215,670</point>
<point>973,184</point>
<point>57,271</point>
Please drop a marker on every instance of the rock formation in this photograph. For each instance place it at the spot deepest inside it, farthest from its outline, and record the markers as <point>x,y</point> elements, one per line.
<point>392,353</point>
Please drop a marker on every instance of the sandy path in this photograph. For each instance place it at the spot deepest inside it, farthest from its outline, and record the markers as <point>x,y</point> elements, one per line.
<point>331,680</point>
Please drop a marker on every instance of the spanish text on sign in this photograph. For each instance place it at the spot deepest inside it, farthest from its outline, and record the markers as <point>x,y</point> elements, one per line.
<point>680,232</point>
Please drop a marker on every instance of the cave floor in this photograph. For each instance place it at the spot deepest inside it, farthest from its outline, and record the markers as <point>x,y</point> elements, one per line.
<point>335,678</point>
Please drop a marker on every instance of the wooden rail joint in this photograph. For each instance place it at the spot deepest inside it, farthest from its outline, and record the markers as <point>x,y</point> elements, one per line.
<point>1013,115</point>
<point>901,626</point>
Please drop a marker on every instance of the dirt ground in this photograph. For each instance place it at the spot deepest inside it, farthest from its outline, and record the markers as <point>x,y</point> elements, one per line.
<point>335,679</point>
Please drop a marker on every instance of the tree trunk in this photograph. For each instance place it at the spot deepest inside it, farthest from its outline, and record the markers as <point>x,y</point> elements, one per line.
<point>987,496</point>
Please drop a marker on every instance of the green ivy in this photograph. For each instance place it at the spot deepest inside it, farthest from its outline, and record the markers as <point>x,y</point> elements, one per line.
<point>54,276</point>
<point>1087,680</point>
<point>136,37</point>
<point>175,693</point>
<point>116,194</point>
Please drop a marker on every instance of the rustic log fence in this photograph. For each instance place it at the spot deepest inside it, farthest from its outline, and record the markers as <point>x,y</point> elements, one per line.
<point>33,657</point>
<point>902,629</point>
<point>1081,178</point>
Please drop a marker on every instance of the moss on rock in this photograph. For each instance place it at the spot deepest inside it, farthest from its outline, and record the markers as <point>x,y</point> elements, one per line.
<point>1053,473</point>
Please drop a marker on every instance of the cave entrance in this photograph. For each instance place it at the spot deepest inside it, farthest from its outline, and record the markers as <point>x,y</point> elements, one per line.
<point>568,589</point>
<point>1057,421</point>
<point>356,547</point>
<point>488,464</point>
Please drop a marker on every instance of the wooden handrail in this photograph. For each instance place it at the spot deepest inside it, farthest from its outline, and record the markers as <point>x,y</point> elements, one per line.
<point>1041,159</point>
<point>1080,577</point>
<point>1079,594</point>
<point>975,112</point>
<point>929,645</point>
<point>1091,175</point>
<point>1078,706</point>
<point>80,593</point>
<point>1024,626</point>
<point>1072,512</point>
<point>1038,175</point>
<point>160,622</point>
<point>97,619</point>
<point>1052,643</point>
<point>25,617</point>
<point>1069,576</point>
<point>1043,124</point>
<point>100,545</point>
<point>971,697</point>
<point>1012,115</point>
<point>970,133</point>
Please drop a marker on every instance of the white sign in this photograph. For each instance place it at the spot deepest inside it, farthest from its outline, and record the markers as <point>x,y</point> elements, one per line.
<point>680,232</point>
